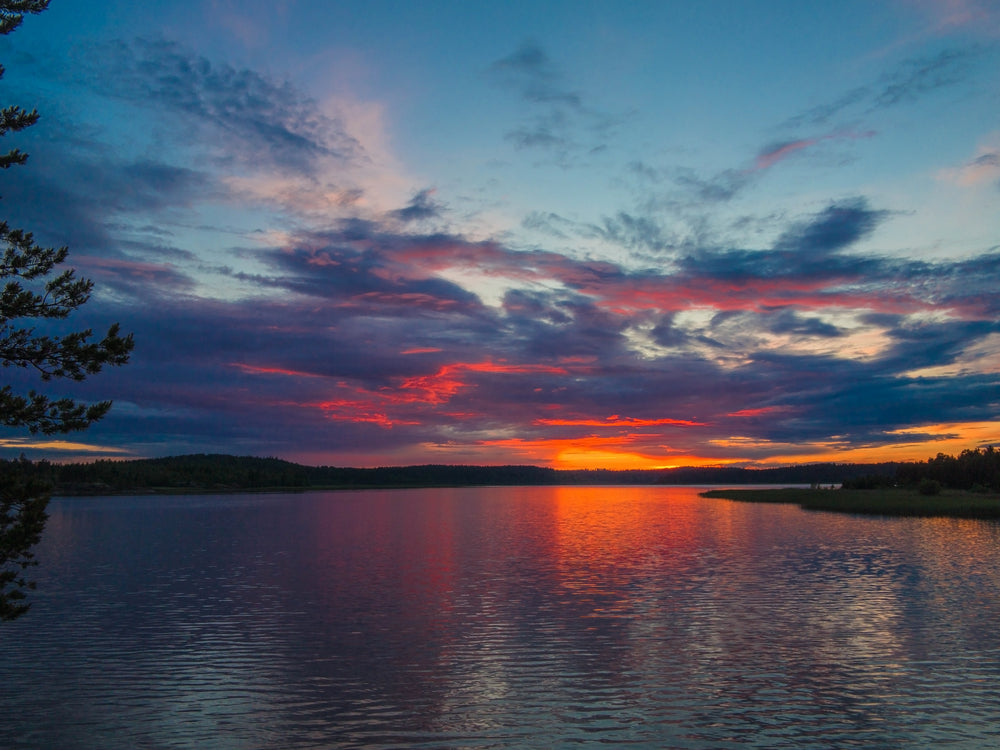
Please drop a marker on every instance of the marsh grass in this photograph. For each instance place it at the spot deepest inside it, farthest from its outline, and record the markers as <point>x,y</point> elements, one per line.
<point>883,502</point>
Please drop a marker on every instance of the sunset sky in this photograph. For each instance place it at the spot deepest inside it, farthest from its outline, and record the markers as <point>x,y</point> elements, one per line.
<point>575,234</point>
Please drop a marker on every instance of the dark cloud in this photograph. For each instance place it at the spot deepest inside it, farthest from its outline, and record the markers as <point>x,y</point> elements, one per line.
<point>549,223</point>
<point>790,321</point>
<point>559,121</point>
<point>156,183</point>
<point>65,197</point>
<point>272,122</point>
<point>639,233</point>
<point>869,406</point>
<point>722,187</point>
<point>667,333</point>
<point>920,344</point>
<point>919,76</point>
<point>807,251</point>
<point>550,326</point>
<point>968,285</point>
<point>645,172</point>
<point>539,135</point>
<point>76,193</point>
<point>530,71</point>
<point>727,184</point>
<point>838,226</point>
<point>821,114</point>
<point>991,159</point>
<point>535,308</point>
<point>909,81</point>
<point>143,279</point>
<point>419,208</point>
<point>362,268</point>
<point>54,211</point>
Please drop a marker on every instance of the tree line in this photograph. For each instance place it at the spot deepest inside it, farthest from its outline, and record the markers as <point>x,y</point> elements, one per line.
<point>976,469</point>
<point>215,472</point>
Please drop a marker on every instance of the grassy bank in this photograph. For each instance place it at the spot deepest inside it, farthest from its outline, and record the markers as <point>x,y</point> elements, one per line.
<point>883,502</point>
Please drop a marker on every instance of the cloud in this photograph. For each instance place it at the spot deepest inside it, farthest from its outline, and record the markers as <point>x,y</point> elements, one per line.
<point>300,295</point>
<point>721,187</point>
<point>789,321</point>
<point>549,223</point>
<point>948,16</point>
<point>317,362</point>
<point>838,226</point>
<point>559,121</point>
<point>540,135</point>
<point>419,208</point>
<point>271,121</point>
<point>635,233</point>
<point>130,275</point>
<point>71,198</point>
<point>982,169</point>
<point>919,76</point>
<point>530,71</point>
<point>725,185</point>
<point>776,152</point>
<point>804,260</point>
<point>250,21</point>
<point>907,82</point>
<point>823,113</point>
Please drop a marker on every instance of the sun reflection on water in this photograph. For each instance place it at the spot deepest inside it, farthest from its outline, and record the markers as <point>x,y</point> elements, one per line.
<point>503,617</point>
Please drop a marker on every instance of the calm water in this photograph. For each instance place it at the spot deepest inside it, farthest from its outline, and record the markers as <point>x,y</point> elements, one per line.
<point>500,617</point>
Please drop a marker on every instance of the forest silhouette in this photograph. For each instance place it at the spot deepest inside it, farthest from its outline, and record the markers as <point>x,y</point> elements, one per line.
<point>975,469</point>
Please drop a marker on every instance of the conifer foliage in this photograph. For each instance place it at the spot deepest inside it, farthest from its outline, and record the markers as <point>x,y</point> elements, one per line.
<point>34,289</point>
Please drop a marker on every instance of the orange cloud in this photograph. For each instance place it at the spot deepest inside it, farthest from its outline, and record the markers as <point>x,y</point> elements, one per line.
<point>757,412</point>
<point>616,421</point>
<point>631,451</point>
<point>255,370</point>
<point>912,445</point>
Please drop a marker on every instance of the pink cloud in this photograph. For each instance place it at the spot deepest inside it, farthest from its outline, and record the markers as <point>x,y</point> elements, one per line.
<point>983,16</point>
<point>768,158</point>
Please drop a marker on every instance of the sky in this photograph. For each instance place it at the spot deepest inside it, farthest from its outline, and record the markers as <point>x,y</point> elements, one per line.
<point>575,234</point>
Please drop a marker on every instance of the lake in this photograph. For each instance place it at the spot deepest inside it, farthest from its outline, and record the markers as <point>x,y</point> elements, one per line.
<point>501,618</point>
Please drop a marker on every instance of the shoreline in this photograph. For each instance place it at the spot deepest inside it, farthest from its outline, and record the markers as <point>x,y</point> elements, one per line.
<point>895,502</point>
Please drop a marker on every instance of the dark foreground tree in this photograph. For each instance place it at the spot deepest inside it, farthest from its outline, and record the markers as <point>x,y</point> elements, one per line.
<point>22,519</point>
<point>36,293</point>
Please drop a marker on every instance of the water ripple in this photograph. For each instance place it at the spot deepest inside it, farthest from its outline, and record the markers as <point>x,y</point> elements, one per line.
<point>502,618</point>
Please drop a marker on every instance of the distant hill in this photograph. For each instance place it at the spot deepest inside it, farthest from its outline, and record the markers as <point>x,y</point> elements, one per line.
<point>213,472</point>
